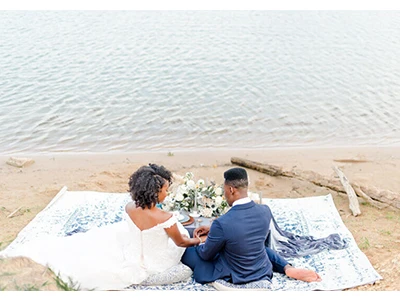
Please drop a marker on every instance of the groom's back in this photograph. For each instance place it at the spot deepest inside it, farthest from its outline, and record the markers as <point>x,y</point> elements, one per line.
<point>245,230</point>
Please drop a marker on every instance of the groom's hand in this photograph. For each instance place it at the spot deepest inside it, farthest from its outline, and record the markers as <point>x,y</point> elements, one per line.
<point>200,231</point>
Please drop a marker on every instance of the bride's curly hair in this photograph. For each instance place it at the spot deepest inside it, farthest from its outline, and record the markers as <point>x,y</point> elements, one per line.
<point>146,183</point>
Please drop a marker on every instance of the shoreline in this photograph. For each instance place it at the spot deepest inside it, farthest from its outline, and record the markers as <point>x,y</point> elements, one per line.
<point>200,149</point>
<point>369,165</point>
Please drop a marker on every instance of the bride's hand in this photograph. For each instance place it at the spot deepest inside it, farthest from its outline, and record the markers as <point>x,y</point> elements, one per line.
<point>202,230</point>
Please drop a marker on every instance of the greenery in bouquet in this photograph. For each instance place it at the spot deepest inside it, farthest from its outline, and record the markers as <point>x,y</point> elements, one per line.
<point>186,193</point>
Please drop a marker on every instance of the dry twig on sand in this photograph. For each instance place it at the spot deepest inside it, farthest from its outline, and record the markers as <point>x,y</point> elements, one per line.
<point>14,212</point>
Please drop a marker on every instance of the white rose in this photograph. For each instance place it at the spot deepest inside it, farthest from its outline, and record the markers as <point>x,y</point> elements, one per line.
<point>191,184</point>
<point>218,201</point>
<point>179,197</point>
<point>200,182</point>
<point>207,212</point>
<point>182,189</point>
<point>218,191</point>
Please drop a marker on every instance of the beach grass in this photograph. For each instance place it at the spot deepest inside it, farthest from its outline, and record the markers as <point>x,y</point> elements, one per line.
<point>364,245</point>
<point>66,286</point>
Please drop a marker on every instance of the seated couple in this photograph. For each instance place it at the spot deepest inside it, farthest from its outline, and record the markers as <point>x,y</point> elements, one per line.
<point>150,241</point>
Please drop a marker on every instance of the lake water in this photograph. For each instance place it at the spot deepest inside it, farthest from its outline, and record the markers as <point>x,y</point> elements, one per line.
<point>122,81</point>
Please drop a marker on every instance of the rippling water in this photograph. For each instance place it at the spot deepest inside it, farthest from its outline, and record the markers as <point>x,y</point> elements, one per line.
<point>118,81</point>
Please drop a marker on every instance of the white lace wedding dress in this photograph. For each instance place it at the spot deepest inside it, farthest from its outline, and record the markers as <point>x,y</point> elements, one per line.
<point>111,257</point>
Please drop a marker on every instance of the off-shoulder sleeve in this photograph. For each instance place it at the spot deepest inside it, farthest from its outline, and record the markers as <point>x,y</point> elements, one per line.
<point>173,220</point>
<point>170,222</point>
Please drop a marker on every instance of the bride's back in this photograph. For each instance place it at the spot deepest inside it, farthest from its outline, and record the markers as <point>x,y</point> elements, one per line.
<point>146,218</point>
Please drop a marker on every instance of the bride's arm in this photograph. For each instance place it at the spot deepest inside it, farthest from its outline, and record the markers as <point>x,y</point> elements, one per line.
<point>180,239</point>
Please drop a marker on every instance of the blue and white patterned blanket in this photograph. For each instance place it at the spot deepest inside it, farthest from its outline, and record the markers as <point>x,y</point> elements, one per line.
<point>78,211</point>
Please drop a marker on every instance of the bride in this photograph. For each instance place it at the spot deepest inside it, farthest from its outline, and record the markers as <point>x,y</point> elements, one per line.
<point>148,241</point>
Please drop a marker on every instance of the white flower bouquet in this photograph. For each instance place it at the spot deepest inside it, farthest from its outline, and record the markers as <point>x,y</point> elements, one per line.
<point>189,195</point>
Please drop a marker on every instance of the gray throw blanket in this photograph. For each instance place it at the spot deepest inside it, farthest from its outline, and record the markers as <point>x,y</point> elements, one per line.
<point>291,245</point>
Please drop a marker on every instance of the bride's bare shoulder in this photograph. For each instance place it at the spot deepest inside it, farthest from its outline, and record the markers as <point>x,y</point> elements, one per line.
<point>156,215</point>
<point>129,207</point>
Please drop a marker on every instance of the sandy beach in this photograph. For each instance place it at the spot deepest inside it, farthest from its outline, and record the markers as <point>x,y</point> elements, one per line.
<point>376,231</point>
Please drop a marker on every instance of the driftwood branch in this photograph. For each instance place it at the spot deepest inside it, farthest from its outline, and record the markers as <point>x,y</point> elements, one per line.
<point>367,198</point>
<point>353,200</point>
<point>373,195</point>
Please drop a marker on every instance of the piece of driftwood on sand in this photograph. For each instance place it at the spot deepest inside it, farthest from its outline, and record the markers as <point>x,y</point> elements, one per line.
<point>373,195</point>
<point>353,200</point>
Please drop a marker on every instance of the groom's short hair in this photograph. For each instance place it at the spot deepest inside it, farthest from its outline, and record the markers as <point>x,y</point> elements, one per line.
<point>236,177</point>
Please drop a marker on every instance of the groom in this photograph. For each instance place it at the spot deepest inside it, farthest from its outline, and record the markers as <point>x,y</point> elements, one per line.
<point>234,246</point>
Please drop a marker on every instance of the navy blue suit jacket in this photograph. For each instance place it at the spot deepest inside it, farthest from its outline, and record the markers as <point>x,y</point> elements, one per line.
<point>235,246</point>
